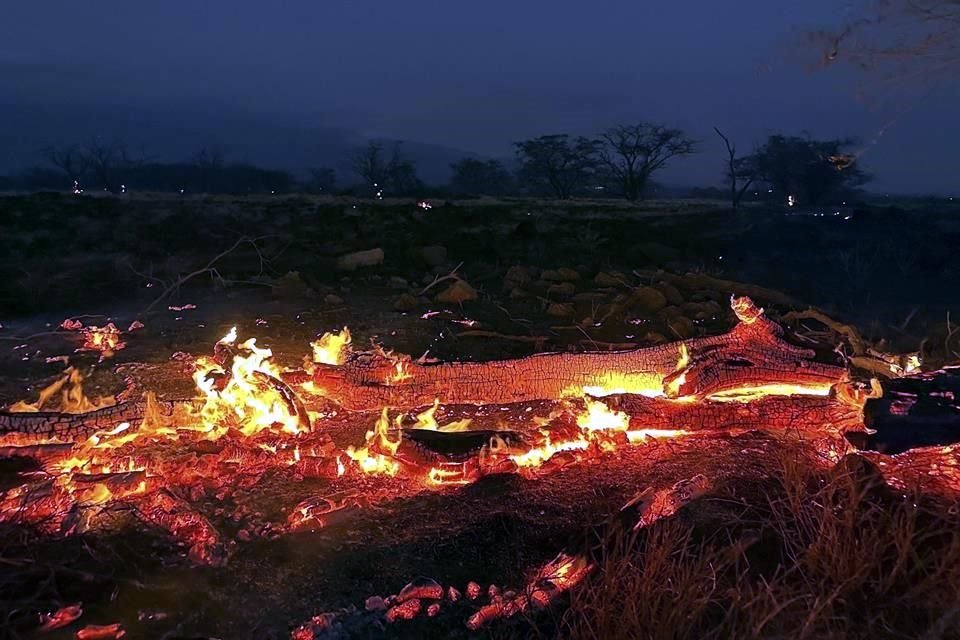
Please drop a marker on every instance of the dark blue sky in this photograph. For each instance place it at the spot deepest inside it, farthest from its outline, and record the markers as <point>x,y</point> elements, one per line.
<point>480,75</point>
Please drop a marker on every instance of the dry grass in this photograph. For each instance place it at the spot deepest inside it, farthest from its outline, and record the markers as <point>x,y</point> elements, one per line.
<point>806,555</point>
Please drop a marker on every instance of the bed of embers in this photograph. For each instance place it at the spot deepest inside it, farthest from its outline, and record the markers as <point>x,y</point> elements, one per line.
<point>376,436</point>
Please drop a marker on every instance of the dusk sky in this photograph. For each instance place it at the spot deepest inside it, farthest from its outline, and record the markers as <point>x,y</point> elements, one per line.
<point>478,76</point>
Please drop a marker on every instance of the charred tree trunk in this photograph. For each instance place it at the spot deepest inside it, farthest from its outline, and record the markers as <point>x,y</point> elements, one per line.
<point>752,354</point>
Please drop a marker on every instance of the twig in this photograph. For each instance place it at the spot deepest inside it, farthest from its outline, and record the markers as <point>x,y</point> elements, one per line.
<point>207,269</point>
<point>438,279</point>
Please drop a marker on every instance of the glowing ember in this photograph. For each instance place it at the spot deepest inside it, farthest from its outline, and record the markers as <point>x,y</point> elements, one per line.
<point>103,339</point>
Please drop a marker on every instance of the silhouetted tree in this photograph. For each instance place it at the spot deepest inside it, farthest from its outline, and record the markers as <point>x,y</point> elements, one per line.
<point>809,170</point>
<point>556,163</point>
<point>368,163</point>
<point>69,159</point>
<point>632,153</point>
<point>740,172</point>
<point>478,177</point>
<point>209,162</point>
<point>106,161</point>
<point>401,172</point>
<point>323,180</point>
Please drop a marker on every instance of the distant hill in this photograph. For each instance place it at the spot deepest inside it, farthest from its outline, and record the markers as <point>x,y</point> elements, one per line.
<point>174,135</point>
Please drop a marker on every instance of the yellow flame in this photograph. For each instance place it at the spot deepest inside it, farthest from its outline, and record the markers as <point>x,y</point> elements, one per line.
<point>401,372</point>
<point>246,401</point>
<point>332,347</point>
<point>72,397</point>
<point>427,420</point>
<point>376,456</point>
<point>599,417</point>
<point>750,393</point>
<point>536,456</point>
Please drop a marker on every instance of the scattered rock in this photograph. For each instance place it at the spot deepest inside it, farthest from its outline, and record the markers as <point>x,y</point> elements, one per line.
<point>561,290</point>
<point>352,261</point>
<point>518,293</point>
<point>434,255</point>
<point>396,282</point>
<point>702,310</point>
<point>682,326</point>
<point>589,296</point>
<point>405,302</point>
<point>375,603</point>
<point>332,300</point>
<point>669,313</point>
<point>604,279</point>
<point>291,286</point>
<point>560,310</point>
<point>649,299</point>
<point>655,337</point>
<point>516,275</point>
<point>563,274</point>
<point>458,293</point>
<point>672,294</point>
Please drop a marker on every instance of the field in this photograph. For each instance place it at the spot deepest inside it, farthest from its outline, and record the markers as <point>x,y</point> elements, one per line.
<point>776,543</point>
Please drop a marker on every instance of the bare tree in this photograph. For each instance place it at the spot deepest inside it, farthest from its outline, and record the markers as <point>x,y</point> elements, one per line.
<point>556,163</point>
<point>740,172</point>
<point>368,163</point>
<point>106,160</point>
<point>632,153</point>
<point>209,162</point>
<point>898,38</point>
<point>69,159</point>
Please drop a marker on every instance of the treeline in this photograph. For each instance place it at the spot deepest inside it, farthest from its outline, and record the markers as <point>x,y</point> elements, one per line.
<point>619,163</point>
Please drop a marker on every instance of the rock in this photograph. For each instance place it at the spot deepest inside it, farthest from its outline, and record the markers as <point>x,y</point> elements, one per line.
<point>396,282</point>
<point>560,310</point>
<point>332,300</point>
<point>291,286</point>
<point>353,261</point>
<point>561,290</point>
<point>682,326</point>
<point>702,310</point>
<point>458,293</point>
<point>654,337</point>
<point>669,313</point>
<point>657,253</point>
<point>375,603</point>
<point>563,274</point>
<point>518,292</point>
<point>649,299</point>
<point>604,279</point>
<point>405,302</point>
<point>434,255</point>
<point>589,296</point>
<point>516,275</point>
<point>672,294</point>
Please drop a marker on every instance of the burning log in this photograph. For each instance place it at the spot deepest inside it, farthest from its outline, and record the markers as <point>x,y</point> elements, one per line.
<point>777,414</point>
<point>753,356</point>
<point>172,514</point>
<point>71,427</point>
